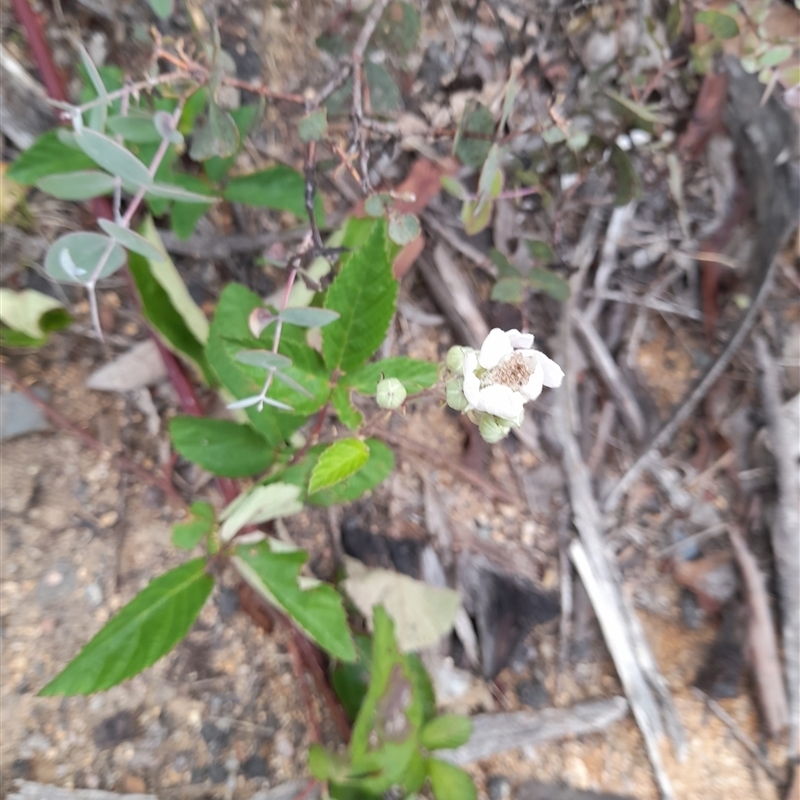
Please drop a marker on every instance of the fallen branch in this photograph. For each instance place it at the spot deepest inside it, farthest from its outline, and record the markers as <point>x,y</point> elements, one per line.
<point>785,530</point>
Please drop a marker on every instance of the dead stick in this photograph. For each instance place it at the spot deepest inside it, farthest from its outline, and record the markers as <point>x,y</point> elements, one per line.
<point>121,461</point>
<point>687,407</point>
<point>738,733</point>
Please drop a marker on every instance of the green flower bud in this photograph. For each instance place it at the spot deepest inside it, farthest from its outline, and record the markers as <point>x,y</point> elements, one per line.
<point>390,393</point>
<point>493,429</point>
<point>454,392</point>
<point>455,359</point>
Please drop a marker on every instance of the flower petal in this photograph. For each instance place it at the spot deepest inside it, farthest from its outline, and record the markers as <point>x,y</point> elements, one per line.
<point>533,388</point>
<point>472,383</point>
<point>520,341</point>
<point>494,348</point>
<point>553,374</point>
<point>500,401</point>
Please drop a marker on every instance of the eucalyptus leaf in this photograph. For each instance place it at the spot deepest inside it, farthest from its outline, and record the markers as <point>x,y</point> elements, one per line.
<point>81,185</point>
<point>137,127</point>
<point>170,192</point>
<point>131,240</point>
<point>113,157</point>
<point>309,317</point>
<point>74,257</point>
<point>97,115</point>
<point>264,359</point>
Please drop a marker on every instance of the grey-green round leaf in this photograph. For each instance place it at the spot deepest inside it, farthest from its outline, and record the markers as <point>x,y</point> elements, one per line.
<point>309,317</point>
<point>403,229</point>
<point>376,204</point>
<point>113,157</point>
<point>131,240</point>
<point>81,185</point>
<point>74,257</point>
<point>264,359</point>
<point>313,127</point>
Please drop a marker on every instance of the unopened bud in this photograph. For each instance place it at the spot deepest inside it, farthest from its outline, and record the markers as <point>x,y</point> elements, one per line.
<point>454,393</point>
<point>455,359</point>
<point>390,393</point>
<point>492,429</point>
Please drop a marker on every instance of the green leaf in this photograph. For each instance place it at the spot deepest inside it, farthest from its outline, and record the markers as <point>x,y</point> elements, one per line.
<point>30,316</point>
<point>142,632</point>
<point>308,317</point>
<point>490,182</point>
<point>162,8</point>
<point>230,335</point>
<point>628,183</point>
<point>541,251</point>
<point>131,240</point>
<point>171,192</point>
<point>159,310</point>
<point>244,117</point>
<point>313,126</point>
<point>218,137</point>
<point>454,187</point>
<point>504,267</point>
<point>775,56</point>
<point>403,228</point>
<point>343,406</point>
<point>187,535</point>
<point>384,94</point>
<point>260,504</point>
<point>74,257</point>
<point>475,216</point>
<point>351,681</point>
<point>317,610</point>
<point>48,155</point>
<point>279,188</point>
<point>113,157</point>
<point>449,782</point>
<point>471,149</point>
<point>415,374</point>
<point>325,766</point>
<point>549,283</point>
<point>97,115</point>
<point>80,185</point>
<point>220,446</point>
<point>364,294</point>
<point>721,25</point>
<point>385,733</point>
<point>447,731</point>
<point>509,290</point>
<point>398,29</point>
<point>339,461</point>
<point>377,204</point>
<point>137,127</point>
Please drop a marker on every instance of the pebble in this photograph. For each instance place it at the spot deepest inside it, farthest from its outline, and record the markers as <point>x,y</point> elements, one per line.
<point>255,767</point>
<point>217,773</point>
<point>18,416</point>
<point>533,694</point>
<point>94,595</point>
<point>283,747</point>
<point>601,49</point>
<point>498,787</point>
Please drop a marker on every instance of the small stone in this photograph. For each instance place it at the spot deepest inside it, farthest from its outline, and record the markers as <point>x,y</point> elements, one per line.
<point>53,578</point>
<point>218,773</point>
<point>94,595</point>
<point>132,784</point>
<point>199,774</point>
<point>108,519</point>
<point>255,767</point>
<point>18,416</point>
<point>115,729</point>
<point>601,49</point>
<point>283,747</point>
<point>533,694</point>
<point>498,787</point>
<point>216,739</point>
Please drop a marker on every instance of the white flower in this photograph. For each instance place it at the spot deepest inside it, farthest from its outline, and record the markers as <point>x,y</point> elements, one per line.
<point>506,374</point>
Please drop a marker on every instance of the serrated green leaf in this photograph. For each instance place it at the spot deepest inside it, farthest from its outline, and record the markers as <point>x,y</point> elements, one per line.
<point>415,374</point>
<point>549,283</point>
<point>80,185</point>
<point>279,188</point>
<point>447,731</point>
<point>217,137</point>
<point>403,228</point>
<point>313,126</point>
<point>187,535</point>
<point>343,406</point>
<point>540,250</point>
<point>384,93</point>
<point>504,267</point>
<point>131,240</point>
<point>220,446</point>
<point>473,136</point>
<point>449,782</point>
<point>48,155</point>
<point>318,610</point>
<point>339,461</point>
<point>364,293</point>
<point>721,25</point>
<point>308,317</point>
<point>141,633</point>
<point>113,157</point>
<point>73,258</point>
<point>259,504</point>
<point>509,290</point>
